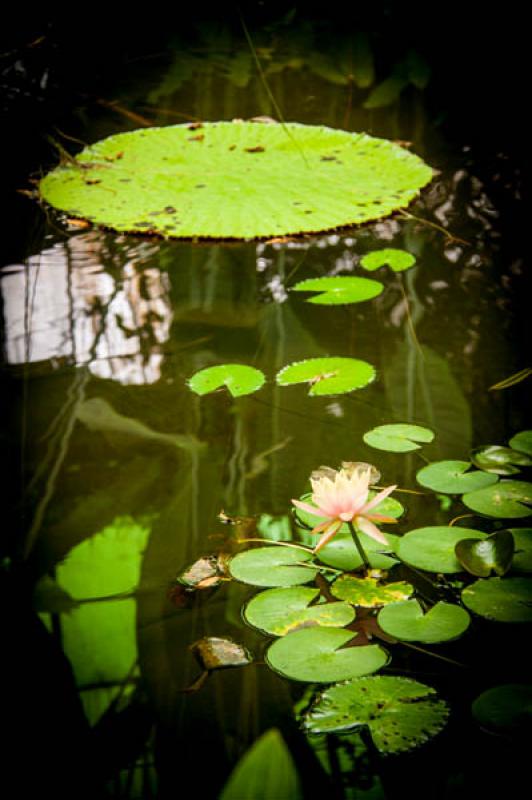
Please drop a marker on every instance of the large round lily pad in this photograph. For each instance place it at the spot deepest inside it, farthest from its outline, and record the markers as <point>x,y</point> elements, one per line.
<point>369,593</point>
<point>314,655</point>
<point>328,376</point>
<point>279,611</point>
<point>406,621</point>
<point>401,714</point>
<point>432,548</point>
<point>500,599</point>
<point>236,180</point>
<point>509,498</point>
<point>505,709</point>
<point>272,566</point>
<point>452,477</point>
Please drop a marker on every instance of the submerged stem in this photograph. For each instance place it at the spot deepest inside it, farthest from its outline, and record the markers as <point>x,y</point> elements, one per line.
<point>358,545</point>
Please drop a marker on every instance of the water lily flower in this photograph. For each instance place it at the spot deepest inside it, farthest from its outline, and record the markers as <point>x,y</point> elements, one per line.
<point>342,496</point>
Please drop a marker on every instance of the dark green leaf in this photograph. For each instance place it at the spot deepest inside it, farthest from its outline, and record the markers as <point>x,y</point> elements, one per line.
<point>480,557</point>
<point>500,599</point>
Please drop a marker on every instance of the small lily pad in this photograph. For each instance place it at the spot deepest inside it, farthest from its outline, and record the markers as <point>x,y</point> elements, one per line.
<point>522,441</point>
<point>342,553</point>
<point>500,599</point>
<point>398,438</point>
<point>480,557</point>
<point>401,714</point>
<point>499,460</point>
<point>523,549</point>
<point>368,592</point>
<point>432,548</point>
<point>452,477</point>
<point>504,499</point>
<point>339,290</point>
<point>272,566</point>
<point>239,379</point>
<point>505,709</point>
<point>397,260</point>
<point>406,621</point>
<point>314,655</point>
<point>279,611</point>
<point>328,376</point>
<point>212,652</point>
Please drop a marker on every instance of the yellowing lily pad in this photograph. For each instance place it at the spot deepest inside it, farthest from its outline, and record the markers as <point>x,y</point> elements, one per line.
<point>318,655</point>
<point>406,621</point>
<point>397,260</point>
<point>235,180</point>
<point>279,611</point>
<point>328,376</point>
<point>238,379</point>
<point>273,566</point>
<point>432,548</point>
<point>500,599</point>
<point>401,714</point>
<point>339,290</point>
<point>368,592</point>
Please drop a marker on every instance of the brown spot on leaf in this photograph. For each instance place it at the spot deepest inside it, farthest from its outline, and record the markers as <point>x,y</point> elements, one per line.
<point>257,149</point>
<point>198,138</point>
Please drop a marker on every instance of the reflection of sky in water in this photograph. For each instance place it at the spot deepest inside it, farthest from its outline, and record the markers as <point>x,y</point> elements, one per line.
<point>63,305</point>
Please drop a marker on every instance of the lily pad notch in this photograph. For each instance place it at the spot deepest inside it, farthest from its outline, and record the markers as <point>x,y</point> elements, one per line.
<point>235,180</point>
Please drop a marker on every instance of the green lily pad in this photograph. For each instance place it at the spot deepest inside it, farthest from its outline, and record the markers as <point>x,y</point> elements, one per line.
<point>272,566</point>
<point>314,655</point>
<point>328,376</point>
<point>341,552</point>
<point>279,611</point>
<point>406,621</point>
<point>401,714</point>
<point>398,438</point>
<point>266,772</point>
<point>213,652</point>
<point>339,290</point>
<point>368,592</point>
<point>504,499</point>
<point>499,460</point>
<point>397,260</point>
<point>480,557</point>
<point>500,599</point>
<point>451,477</point>
<point>505,709</point>
<point>239,379</point>
<point>432,548</point>
<point>236,180</point>
<point>522,561</point>
<point>522,441</point>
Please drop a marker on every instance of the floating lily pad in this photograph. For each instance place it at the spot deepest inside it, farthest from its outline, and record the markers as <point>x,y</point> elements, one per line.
<point>314,655</point>
<point>504,499</point>
<point>522,561</point>
<point>239,379</point>
<point>328,376</point>
<point>522,441</point>
<point>499,460</point>
<point>279,611</point>
<point>401,714</point>
<point>406,621</point>
<point>236,180</point>
<point>452,477</point>
<point>480,557</point>
<point>500,599</point>
<point>265,772</point>
<point>398,438</point>
<point>342,553</point>
<point>397,260</point>
<point>339,290</point>
<point>432,548</point>
<point>212,652</point>
<point>272,566</point>
<point>505,709</point>
<point>368,592</point>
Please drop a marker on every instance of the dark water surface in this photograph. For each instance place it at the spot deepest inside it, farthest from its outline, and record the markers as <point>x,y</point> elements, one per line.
<point>108,497</point>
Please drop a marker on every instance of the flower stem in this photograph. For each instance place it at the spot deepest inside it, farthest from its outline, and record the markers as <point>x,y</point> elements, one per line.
<point>358,545</point>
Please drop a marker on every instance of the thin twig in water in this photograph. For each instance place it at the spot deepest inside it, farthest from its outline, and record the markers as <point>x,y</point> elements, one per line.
<point>460,516</point>
<point>431,224</point>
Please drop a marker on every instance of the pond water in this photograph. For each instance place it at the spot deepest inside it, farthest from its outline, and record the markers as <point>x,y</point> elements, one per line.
<point>109,496</point>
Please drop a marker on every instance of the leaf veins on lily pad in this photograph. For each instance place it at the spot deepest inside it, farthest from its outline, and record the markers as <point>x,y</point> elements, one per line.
<point>236,180</point>
<point>328,376</point>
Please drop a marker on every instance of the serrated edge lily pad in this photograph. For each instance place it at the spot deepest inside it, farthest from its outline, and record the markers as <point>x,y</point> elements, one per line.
<point>328,376</point>
<point>432,548</point>
<point>451,477</point>
<point>397,260</point>
<point>398,437</point>
<point>239,379</point>
<point>318,655</point>
<point>272,566</point>
<point>441,623</point>
<point>506,499</point>
<point>401,714</point>
<point>339,289</point>
<point>500,599</point>
<point>480,557</point>
<point>369,592</point>
<point>279,611</point>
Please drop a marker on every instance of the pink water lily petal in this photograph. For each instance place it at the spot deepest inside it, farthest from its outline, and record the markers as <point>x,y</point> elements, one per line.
<point>317,512</point>
<point>377,499</point>
<point>328,535</point>
<point>370,529</point>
